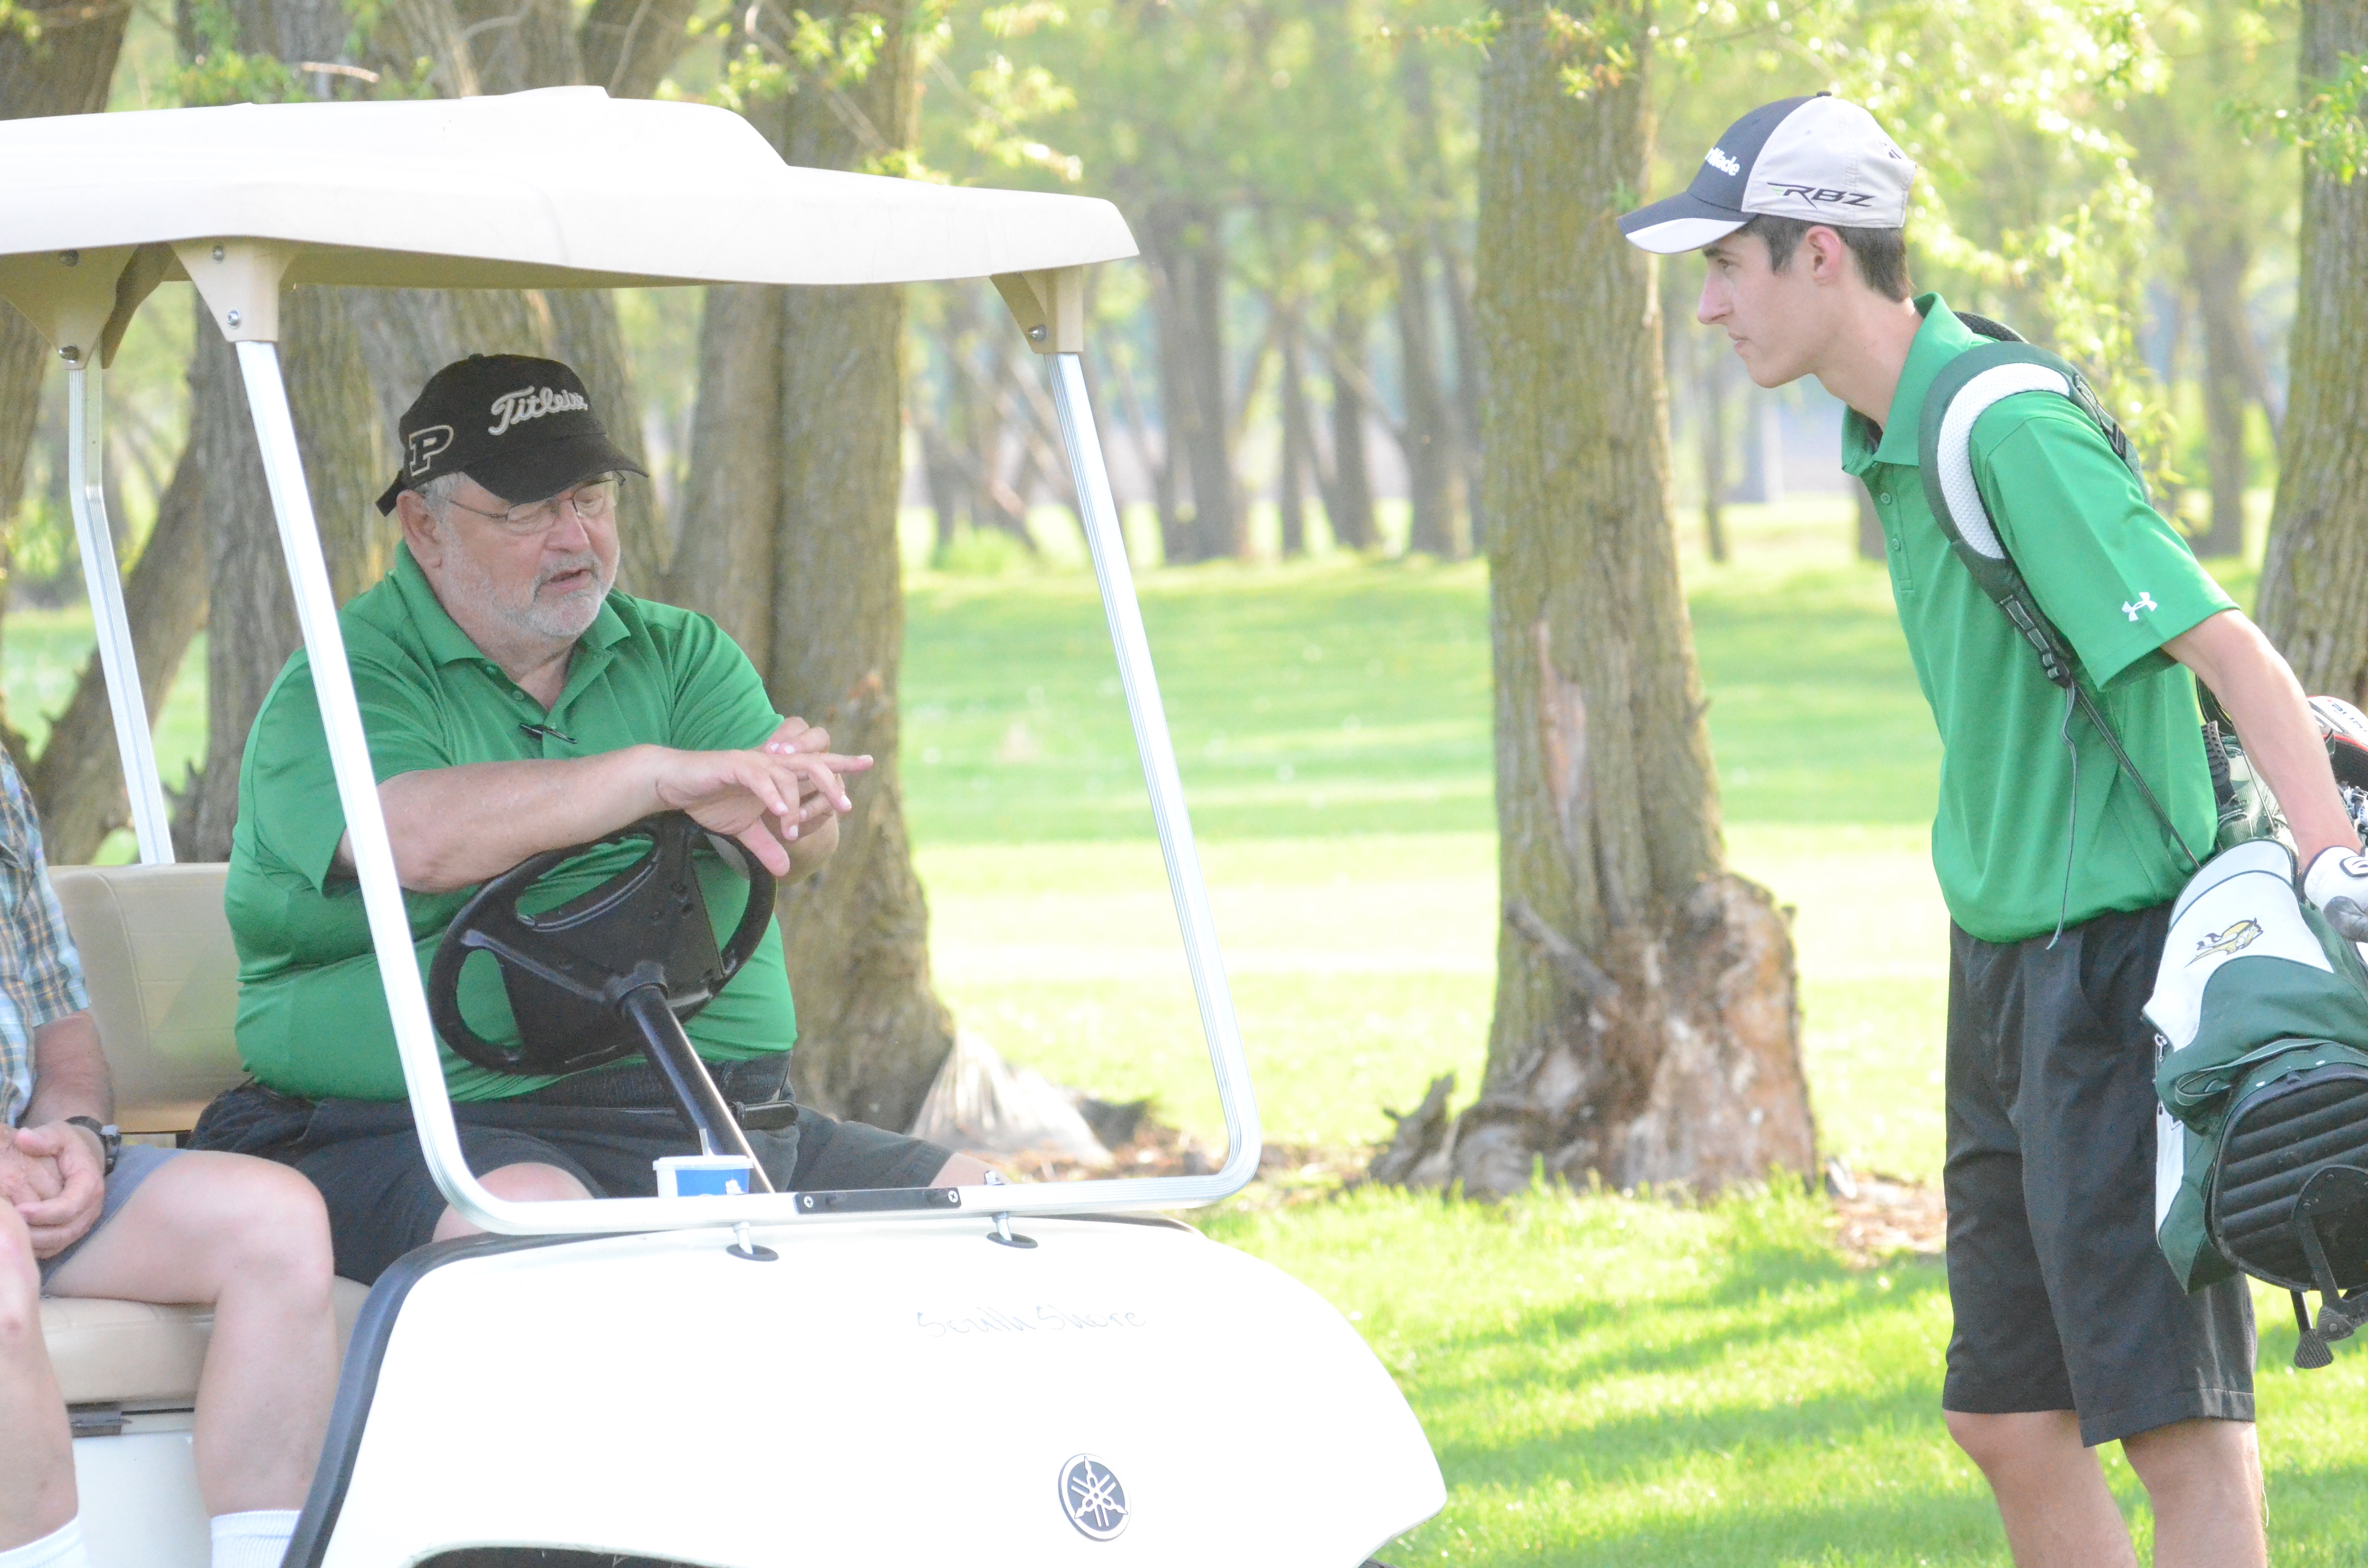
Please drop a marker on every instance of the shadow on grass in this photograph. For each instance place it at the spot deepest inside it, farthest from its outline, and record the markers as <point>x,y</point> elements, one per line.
<point>1770,1295</point>
<point>1906,1529</point>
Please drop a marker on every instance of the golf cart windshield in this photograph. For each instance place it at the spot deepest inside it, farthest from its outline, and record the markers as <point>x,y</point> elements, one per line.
<point>244,200</point>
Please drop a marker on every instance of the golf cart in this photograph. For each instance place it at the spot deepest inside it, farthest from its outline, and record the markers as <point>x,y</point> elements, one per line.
<point>635,1376</point>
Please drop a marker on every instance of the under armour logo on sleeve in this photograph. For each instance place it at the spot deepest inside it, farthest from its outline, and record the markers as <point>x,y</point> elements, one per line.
<point>2144,602</point>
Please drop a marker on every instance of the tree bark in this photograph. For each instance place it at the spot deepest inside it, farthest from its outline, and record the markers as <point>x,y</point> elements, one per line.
<point>2217,262</point>
<point>1298,446</point>
<point>732,500</point>
<point>2314,581</point>
<point>1187,252</point>
<point>1711,387</point>
<point>1871,545</point>
<point>251,614</point>
<point>1348,504</point>
<point>825,363</point>
<point>1158,459</point>
<point>1647,1027</point>
<point>1430,456</point>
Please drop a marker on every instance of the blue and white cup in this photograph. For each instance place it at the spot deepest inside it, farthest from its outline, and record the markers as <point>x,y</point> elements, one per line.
<point>704,1176</point>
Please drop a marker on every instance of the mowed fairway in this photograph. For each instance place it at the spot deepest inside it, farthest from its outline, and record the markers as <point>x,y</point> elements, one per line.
<point>1607,1381</point>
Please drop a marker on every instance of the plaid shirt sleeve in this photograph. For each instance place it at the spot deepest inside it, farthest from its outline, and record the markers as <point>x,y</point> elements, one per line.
<point>40,973</point>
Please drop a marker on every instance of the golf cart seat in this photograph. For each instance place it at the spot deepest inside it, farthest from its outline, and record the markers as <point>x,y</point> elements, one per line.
<point>164,990</point>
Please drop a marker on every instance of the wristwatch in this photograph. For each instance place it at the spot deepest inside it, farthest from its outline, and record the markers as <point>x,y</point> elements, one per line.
<point>110,1137</point>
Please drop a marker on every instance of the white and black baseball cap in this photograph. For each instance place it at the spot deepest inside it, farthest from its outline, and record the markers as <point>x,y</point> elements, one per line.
<point>1819,159</point>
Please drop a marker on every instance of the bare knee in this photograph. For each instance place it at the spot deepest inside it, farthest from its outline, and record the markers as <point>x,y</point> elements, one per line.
<point>284,1226</point>
<point>961,1170</point>
<point>534,1183</point>
<point>2188,1454</point>
<point>20,1289</point>
<point>1997,1442</point>
<point>528,1182</point>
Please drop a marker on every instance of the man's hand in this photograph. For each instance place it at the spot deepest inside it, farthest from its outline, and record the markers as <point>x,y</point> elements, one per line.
<point>59,1222</point>
<point>817,797</point>
<point>2338,882</point>
<point>753,796</point>
<point>25,1178</point>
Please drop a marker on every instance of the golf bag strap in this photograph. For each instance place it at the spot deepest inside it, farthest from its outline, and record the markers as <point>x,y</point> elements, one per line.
<point>1970,385</point>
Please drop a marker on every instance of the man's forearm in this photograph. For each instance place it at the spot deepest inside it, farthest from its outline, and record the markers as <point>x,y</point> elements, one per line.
<point>453,827</point>
<point>2258,688</point>
<point>68,1073</point>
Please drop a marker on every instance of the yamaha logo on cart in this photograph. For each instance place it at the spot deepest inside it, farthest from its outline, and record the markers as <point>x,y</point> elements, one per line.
<point>1092,1499</point>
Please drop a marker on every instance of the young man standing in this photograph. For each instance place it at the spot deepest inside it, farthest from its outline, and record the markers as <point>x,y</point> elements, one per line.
<point>2070,1330</point>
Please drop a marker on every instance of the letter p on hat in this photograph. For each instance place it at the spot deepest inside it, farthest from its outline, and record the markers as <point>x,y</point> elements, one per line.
<point>1818,159</point>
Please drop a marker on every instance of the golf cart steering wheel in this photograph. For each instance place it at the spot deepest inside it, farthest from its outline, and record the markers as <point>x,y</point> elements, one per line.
<point>586,980</point>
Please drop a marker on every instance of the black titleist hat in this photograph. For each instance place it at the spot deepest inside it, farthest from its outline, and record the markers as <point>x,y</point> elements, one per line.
<point>521,428</point>
<point>1822,159</point>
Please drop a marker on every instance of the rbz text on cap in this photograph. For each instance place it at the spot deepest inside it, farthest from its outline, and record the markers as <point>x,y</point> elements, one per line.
<point>1818,159</point>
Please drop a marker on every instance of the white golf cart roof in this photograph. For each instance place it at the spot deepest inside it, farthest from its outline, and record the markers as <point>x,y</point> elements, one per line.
<point>563,187</point>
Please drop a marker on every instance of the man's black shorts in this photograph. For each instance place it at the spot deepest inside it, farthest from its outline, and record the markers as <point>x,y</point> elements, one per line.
<point>605,1128</point>
<point>2062,1301</point>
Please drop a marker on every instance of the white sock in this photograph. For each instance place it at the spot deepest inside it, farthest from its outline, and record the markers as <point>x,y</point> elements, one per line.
<point>61,1547</point>
<point>254,1539</point>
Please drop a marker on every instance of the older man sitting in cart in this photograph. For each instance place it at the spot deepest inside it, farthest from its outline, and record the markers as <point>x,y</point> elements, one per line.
<point>82,1213</point>
<point>514,704</point>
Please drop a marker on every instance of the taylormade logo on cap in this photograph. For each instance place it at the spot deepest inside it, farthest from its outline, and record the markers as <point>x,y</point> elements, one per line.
<point>1820,159</point>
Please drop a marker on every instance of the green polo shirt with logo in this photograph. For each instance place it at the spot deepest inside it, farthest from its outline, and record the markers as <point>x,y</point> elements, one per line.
<point>312,1020</point>
<point>2118,582</point>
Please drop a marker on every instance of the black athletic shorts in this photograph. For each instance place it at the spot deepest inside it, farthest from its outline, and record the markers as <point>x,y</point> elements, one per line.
<point>604,1126</point>
<point>2062,1300</point>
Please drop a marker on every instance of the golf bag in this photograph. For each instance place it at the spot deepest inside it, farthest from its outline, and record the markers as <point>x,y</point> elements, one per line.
<point>2260,1010</point>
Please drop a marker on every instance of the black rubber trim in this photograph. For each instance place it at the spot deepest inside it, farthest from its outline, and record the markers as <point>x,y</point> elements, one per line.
<point>358,1385</point>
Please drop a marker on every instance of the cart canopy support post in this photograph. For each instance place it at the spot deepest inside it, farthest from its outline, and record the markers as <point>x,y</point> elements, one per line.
<point>1098,511</point>
<point>86,491</point>
<point>341,722</point>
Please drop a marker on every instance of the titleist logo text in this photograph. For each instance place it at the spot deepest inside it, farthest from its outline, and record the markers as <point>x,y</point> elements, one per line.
<point>532,403</point>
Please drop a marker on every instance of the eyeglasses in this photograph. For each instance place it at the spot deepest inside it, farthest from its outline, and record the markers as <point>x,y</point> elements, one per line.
<point>594,500</point>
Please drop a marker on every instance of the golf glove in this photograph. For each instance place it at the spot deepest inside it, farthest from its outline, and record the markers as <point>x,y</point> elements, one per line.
<point>2338,882</point>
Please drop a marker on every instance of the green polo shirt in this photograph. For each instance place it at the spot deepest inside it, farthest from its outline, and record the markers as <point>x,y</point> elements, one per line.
<point>312,1015</point>
<point>2118,582</point>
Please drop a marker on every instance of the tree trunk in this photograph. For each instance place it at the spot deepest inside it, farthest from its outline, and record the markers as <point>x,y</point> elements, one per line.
<point>251,614</point>
<point>1298,447</point>
<point>1871,546</point>
<point>1153,451</point>
<point>873,1033</point>
<point>1647,1027</point>
<point>734,494</point>
<point>1430,456</point>
<point>2217,262</point>
<point>1470,388</point>
<point>1348,504</point>
<point>1712,388</point>
<point>1189,253</point>
<point>2314,581</point>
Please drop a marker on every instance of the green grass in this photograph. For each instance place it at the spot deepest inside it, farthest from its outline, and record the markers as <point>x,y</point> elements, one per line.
<point>1610,1382</point>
